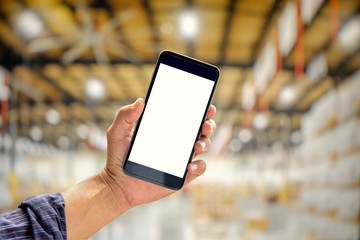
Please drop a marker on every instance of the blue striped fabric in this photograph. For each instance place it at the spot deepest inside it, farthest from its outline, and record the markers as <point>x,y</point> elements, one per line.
<point>39,217</point>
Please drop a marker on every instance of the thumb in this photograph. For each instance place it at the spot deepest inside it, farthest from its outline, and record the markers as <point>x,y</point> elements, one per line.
<point>125,119</point>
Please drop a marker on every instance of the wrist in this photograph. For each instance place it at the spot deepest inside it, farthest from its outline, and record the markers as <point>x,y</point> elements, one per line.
<point>117,196</point>
<point>93,203</point>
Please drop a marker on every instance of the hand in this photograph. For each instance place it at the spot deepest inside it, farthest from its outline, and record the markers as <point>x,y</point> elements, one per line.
<point>133,190</point>
<point>98,200</point>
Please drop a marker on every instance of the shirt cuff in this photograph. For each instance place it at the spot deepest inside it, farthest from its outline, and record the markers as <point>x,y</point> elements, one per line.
<point>46,216</point>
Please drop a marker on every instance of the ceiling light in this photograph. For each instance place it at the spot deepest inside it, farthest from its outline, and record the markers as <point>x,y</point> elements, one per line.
<point>235,145</point>
<point>94,89</point>
<point>260,121</point>
<point>36,133</point>
<point>288,95</point>
<point>349,34</point>
<point>317,68</point>
<point>188,24</point>
<point>245,135</point>
<point>53,117</point>
<point>309,8</point>
<point>29,25</point>
<point>167,28</point>
<point>287,28</point>
<point>265,67</point>
<point>82,131</point>
<point>63,142</point>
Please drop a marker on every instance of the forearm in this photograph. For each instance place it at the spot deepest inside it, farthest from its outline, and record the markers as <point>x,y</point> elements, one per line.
<point>90,205</point>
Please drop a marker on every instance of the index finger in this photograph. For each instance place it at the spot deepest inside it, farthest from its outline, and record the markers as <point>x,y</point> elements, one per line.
<point>211,112</point>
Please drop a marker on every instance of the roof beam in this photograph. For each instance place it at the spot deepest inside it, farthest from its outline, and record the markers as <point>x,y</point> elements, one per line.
<point>340,70</point>
<point>269,19</point>
<point>153,29</point>
<point>226,34</point>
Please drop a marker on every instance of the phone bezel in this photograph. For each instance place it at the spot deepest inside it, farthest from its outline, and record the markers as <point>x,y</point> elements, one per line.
<point>190,65</point>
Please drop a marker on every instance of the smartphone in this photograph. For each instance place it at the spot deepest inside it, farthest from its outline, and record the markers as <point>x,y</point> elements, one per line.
<point>176,106</point>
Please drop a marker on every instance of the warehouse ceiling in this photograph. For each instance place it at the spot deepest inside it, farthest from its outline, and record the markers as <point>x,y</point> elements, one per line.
<point>72,42</point>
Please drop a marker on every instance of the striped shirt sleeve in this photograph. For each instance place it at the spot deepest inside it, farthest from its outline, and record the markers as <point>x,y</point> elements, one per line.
<point>39,217</point>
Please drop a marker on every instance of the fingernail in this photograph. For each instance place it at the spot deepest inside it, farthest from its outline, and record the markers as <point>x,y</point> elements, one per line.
<point>211,125</point>
<point>214,108</point>
<point>194,166</point>
<point>137,101</point>
<point>203,145</point>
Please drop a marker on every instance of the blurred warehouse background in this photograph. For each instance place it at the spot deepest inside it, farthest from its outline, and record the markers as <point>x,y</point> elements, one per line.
<point>285,160</point>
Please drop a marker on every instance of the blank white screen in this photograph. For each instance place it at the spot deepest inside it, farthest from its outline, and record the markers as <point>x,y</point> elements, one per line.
<point>171,120</point>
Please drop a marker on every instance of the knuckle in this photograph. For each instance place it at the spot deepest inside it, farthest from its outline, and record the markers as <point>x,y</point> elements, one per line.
<point>109,132</point>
